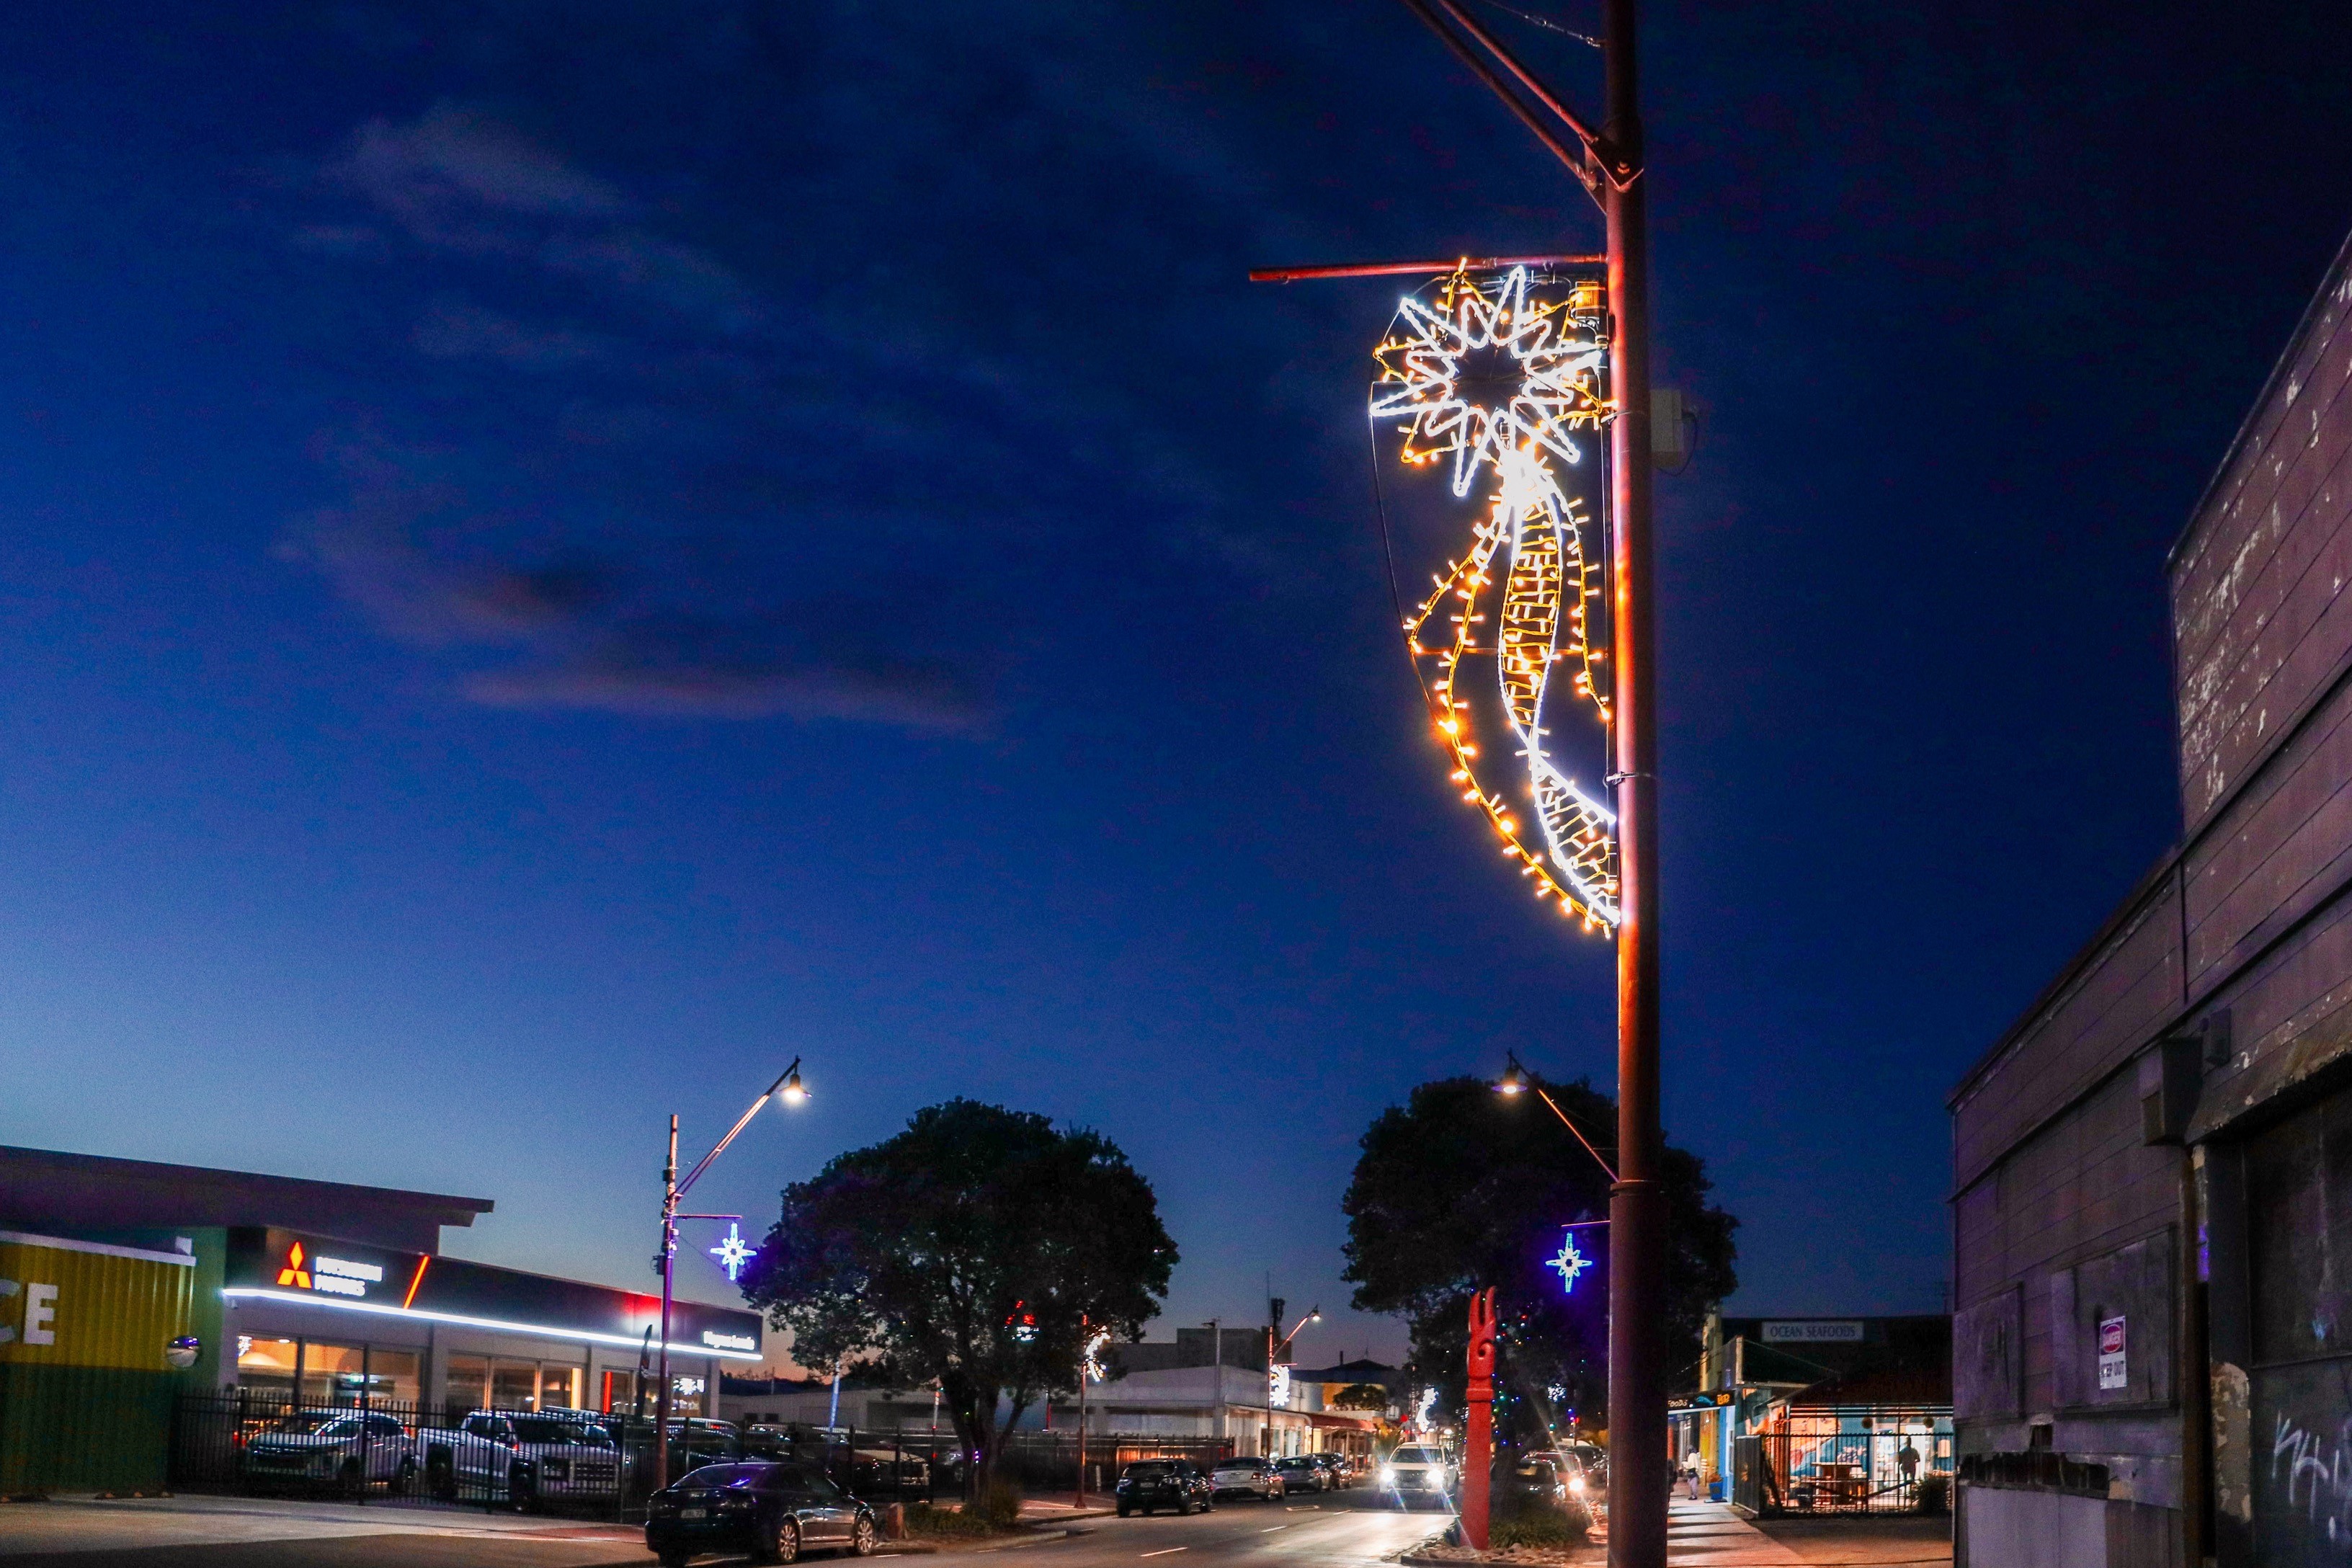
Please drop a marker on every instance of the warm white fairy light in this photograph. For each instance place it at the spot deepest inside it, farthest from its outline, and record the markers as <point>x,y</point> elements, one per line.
<point>1500,382</point>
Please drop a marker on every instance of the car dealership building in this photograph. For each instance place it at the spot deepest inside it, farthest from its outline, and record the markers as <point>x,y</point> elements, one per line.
<point>126,1284</point>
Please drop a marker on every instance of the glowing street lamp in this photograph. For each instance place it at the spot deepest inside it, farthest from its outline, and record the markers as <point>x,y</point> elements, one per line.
<point>1272,1324</point>
<point>787,1091</point>
<point>1516,1080</point>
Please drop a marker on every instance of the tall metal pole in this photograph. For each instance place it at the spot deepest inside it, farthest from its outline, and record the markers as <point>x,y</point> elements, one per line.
<point>669,1255</point>
<point>1638,1484</point>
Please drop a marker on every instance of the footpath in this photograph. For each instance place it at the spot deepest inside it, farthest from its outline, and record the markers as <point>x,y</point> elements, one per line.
<point>1714,1535</point>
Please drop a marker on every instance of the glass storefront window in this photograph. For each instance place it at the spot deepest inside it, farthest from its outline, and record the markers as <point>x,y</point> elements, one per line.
<point>469,1382</point>
<point>559,1387</point>
<point>266,1367</point>
<point>332,1374</point>
<point>620,1391</point>
<point>514,1384</point>
<point>392,1375</point>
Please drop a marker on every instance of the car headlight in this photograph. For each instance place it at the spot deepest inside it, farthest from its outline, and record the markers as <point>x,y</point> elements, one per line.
<point>1577,1485</point>
<point>1388,1477</point>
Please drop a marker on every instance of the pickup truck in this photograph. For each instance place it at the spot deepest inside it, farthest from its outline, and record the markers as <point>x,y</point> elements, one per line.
<point>518,1458</point>
<point>339,1448</point>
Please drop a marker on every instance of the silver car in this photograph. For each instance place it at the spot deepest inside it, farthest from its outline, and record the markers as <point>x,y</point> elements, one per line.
<point>1414,1470</point>
<point>1246,1477</point>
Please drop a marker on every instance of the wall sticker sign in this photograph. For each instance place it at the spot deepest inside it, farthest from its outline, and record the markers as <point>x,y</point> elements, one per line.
<point>2112,1374</point>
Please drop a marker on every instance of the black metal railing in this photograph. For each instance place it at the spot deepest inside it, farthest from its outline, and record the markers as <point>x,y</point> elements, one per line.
<point>585,1463</point>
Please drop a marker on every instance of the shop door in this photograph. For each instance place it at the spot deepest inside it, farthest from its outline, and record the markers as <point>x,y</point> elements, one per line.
<point>2299,1224</point>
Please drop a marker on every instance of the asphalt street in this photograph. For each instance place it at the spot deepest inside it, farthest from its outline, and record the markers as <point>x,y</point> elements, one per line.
<point>1350,1529</point>
<point>1338,1528</point>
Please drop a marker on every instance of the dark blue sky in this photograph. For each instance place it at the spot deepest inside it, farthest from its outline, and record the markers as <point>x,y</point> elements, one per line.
<point>555,557</point>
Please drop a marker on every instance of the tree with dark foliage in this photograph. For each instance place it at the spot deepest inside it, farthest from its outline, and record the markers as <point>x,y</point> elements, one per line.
<point>1463,1188</point>
<point>972,1249</point>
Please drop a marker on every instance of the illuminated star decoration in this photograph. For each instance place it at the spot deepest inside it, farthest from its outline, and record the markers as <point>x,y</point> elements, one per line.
<point>733,1252</point>
<point>1500,382</point>
<point>1571,1263</point>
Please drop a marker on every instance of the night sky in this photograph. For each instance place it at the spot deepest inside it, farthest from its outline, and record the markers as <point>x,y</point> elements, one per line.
<point>556,556</point>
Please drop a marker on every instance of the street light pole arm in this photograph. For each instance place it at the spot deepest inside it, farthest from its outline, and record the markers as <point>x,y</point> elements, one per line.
<point>1545,1095</point>
<point>741,1123</point>
<point>1528,79</point>
<point>1580,166</point>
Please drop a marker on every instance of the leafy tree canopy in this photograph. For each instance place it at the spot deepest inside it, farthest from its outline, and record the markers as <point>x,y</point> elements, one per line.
<point>969,1248</point>
<point>1463,1188</point>
<point>1362,1396</point>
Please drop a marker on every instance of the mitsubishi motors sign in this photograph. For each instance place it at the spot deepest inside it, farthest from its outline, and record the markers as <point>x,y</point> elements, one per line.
<point>316,1270</point>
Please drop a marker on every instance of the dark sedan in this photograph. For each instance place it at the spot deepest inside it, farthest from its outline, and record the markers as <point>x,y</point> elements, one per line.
<point>1148,1484</point>
<point>774,1512</point>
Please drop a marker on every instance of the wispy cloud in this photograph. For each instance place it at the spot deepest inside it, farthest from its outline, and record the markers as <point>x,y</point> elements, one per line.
<point>668,669</point>
<point>437,569</point>
<point>455,330</point>
<point>440,175</point>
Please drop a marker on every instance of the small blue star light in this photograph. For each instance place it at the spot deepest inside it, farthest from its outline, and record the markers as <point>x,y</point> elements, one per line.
<point>733,1252</point>
<point>1571,1263</point>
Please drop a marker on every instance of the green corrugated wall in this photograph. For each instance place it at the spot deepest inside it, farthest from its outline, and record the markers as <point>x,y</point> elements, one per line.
<point>84,1428</point>
<point>85,1393</point>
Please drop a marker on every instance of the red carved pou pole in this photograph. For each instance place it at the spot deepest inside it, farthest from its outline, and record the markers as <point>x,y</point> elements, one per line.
<point>1478,1452</point>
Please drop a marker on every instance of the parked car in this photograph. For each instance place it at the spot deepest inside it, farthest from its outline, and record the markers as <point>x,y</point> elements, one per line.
<point>1304,1473</point>
<point>1247,1478</point>
<point>1339,1468</point>
<point>1415,1470</point>
<point>773,1512</point>
<point>1148,1484</point>
<point>1528,1478</point>
<point>1572,1472</point>
<point>872,1470</point>
<point>700,1440</point>
<point>338,1448</point>
<point>518,1456</point>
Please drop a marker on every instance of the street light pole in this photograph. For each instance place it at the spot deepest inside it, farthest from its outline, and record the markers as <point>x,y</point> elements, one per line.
<point>1637,1209</point>
<point>789,1086</point>
<point>1273,1322</point>
<point>669,1257</point>
<point>1607,160</point>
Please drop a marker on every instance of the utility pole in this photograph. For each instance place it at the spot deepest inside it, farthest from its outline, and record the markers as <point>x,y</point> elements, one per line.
<point>1637,1206</point>
<point>1217,1380</point>
<point>668,1257</point>
<point>1272,1327</point>
<point>1608,161</point>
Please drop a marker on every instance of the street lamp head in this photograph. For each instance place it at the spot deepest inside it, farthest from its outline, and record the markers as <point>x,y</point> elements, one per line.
<point>1514,1080</point>
<point>794,1092</point>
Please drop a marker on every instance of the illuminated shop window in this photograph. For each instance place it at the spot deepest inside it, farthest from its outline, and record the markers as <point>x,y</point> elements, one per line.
<point>266,1365</point>
<point>332,1374</point>
<point>560,1386</point>
<point>514,1384</point>
<point>469,1382</point>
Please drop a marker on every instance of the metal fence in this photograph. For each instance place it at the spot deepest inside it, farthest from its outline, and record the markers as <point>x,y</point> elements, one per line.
<point>589,1464</point>
<point>1845,1472</point>
<point>586,1463</point>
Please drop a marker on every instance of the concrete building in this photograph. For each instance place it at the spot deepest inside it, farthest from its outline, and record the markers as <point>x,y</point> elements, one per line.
<point>1167,1389</point>
<point>296,1292</point>
<point>2153,1166</point>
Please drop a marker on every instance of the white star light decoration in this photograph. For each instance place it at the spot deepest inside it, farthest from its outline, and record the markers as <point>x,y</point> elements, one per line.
<point>1571,1263</point>
<point>1501,381</point>
<point>733,1252</point>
